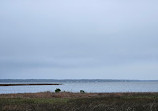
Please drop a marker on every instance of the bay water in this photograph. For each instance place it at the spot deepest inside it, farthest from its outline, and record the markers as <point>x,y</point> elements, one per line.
<point>93,86</point>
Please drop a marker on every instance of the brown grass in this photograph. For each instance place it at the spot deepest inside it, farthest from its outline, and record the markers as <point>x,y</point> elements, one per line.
<point>49,94</point>
<point>67,101</point>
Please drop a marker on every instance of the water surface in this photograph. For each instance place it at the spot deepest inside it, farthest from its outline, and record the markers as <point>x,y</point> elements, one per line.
<point>86,85</point>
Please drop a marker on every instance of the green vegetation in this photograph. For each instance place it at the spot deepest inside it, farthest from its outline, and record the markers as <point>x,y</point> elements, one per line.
<point>80,102</point>
<point>82,91</point>
<point>32,100</point>
<point>57,90</point>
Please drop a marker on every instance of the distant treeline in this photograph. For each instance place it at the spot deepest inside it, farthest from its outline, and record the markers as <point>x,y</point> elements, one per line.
<point>73,80</point>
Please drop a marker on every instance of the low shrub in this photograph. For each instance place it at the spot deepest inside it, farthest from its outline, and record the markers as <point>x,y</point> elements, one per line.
<point>57,90</point>
<point>82,91</point>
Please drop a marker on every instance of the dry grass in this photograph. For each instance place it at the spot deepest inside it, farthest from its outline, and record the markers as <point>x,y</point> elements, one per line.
<point>49,94</point>
<point>67,101</point>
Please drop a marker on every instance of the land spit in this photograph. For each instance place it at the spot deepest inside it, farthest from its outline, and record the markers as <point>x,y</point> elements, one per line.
<point>26,84</point>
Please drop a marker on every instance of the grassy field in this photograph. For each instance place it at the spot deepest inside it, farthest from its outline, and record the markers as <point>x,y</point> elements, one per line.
<point>65,101</point>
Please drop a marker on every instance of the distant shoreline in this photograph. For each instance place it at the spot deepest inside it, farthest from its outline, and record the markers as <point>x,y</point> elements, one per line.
<point>73,80</point>
<point>25,84</point>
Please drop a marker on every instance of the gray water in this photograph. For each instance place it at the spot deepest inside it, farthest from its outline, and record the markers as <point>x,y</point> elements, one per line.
<point>77,85</point>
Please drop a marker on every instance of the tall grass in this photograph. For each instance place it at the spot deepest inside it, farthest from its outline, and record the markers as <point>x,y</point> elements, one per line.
<point>48,101</point>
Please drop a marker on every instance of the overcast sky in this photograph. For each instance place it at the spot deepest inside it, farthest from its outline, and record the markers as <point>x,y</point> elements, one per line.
<point>79,39</point>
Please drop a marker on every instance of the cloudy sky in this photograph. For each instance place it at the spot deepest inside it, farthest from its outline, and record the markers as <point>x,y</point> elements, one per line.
<point>78,39</point>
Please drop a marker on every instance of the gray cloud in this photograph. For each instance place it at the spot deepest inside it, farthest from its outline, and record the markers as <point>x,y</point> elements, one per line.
<point>79,39</point>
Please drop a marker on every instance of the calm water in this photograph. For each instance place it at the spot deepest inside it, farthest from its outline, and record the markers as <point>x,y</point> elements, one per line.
<point>86,85</point>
